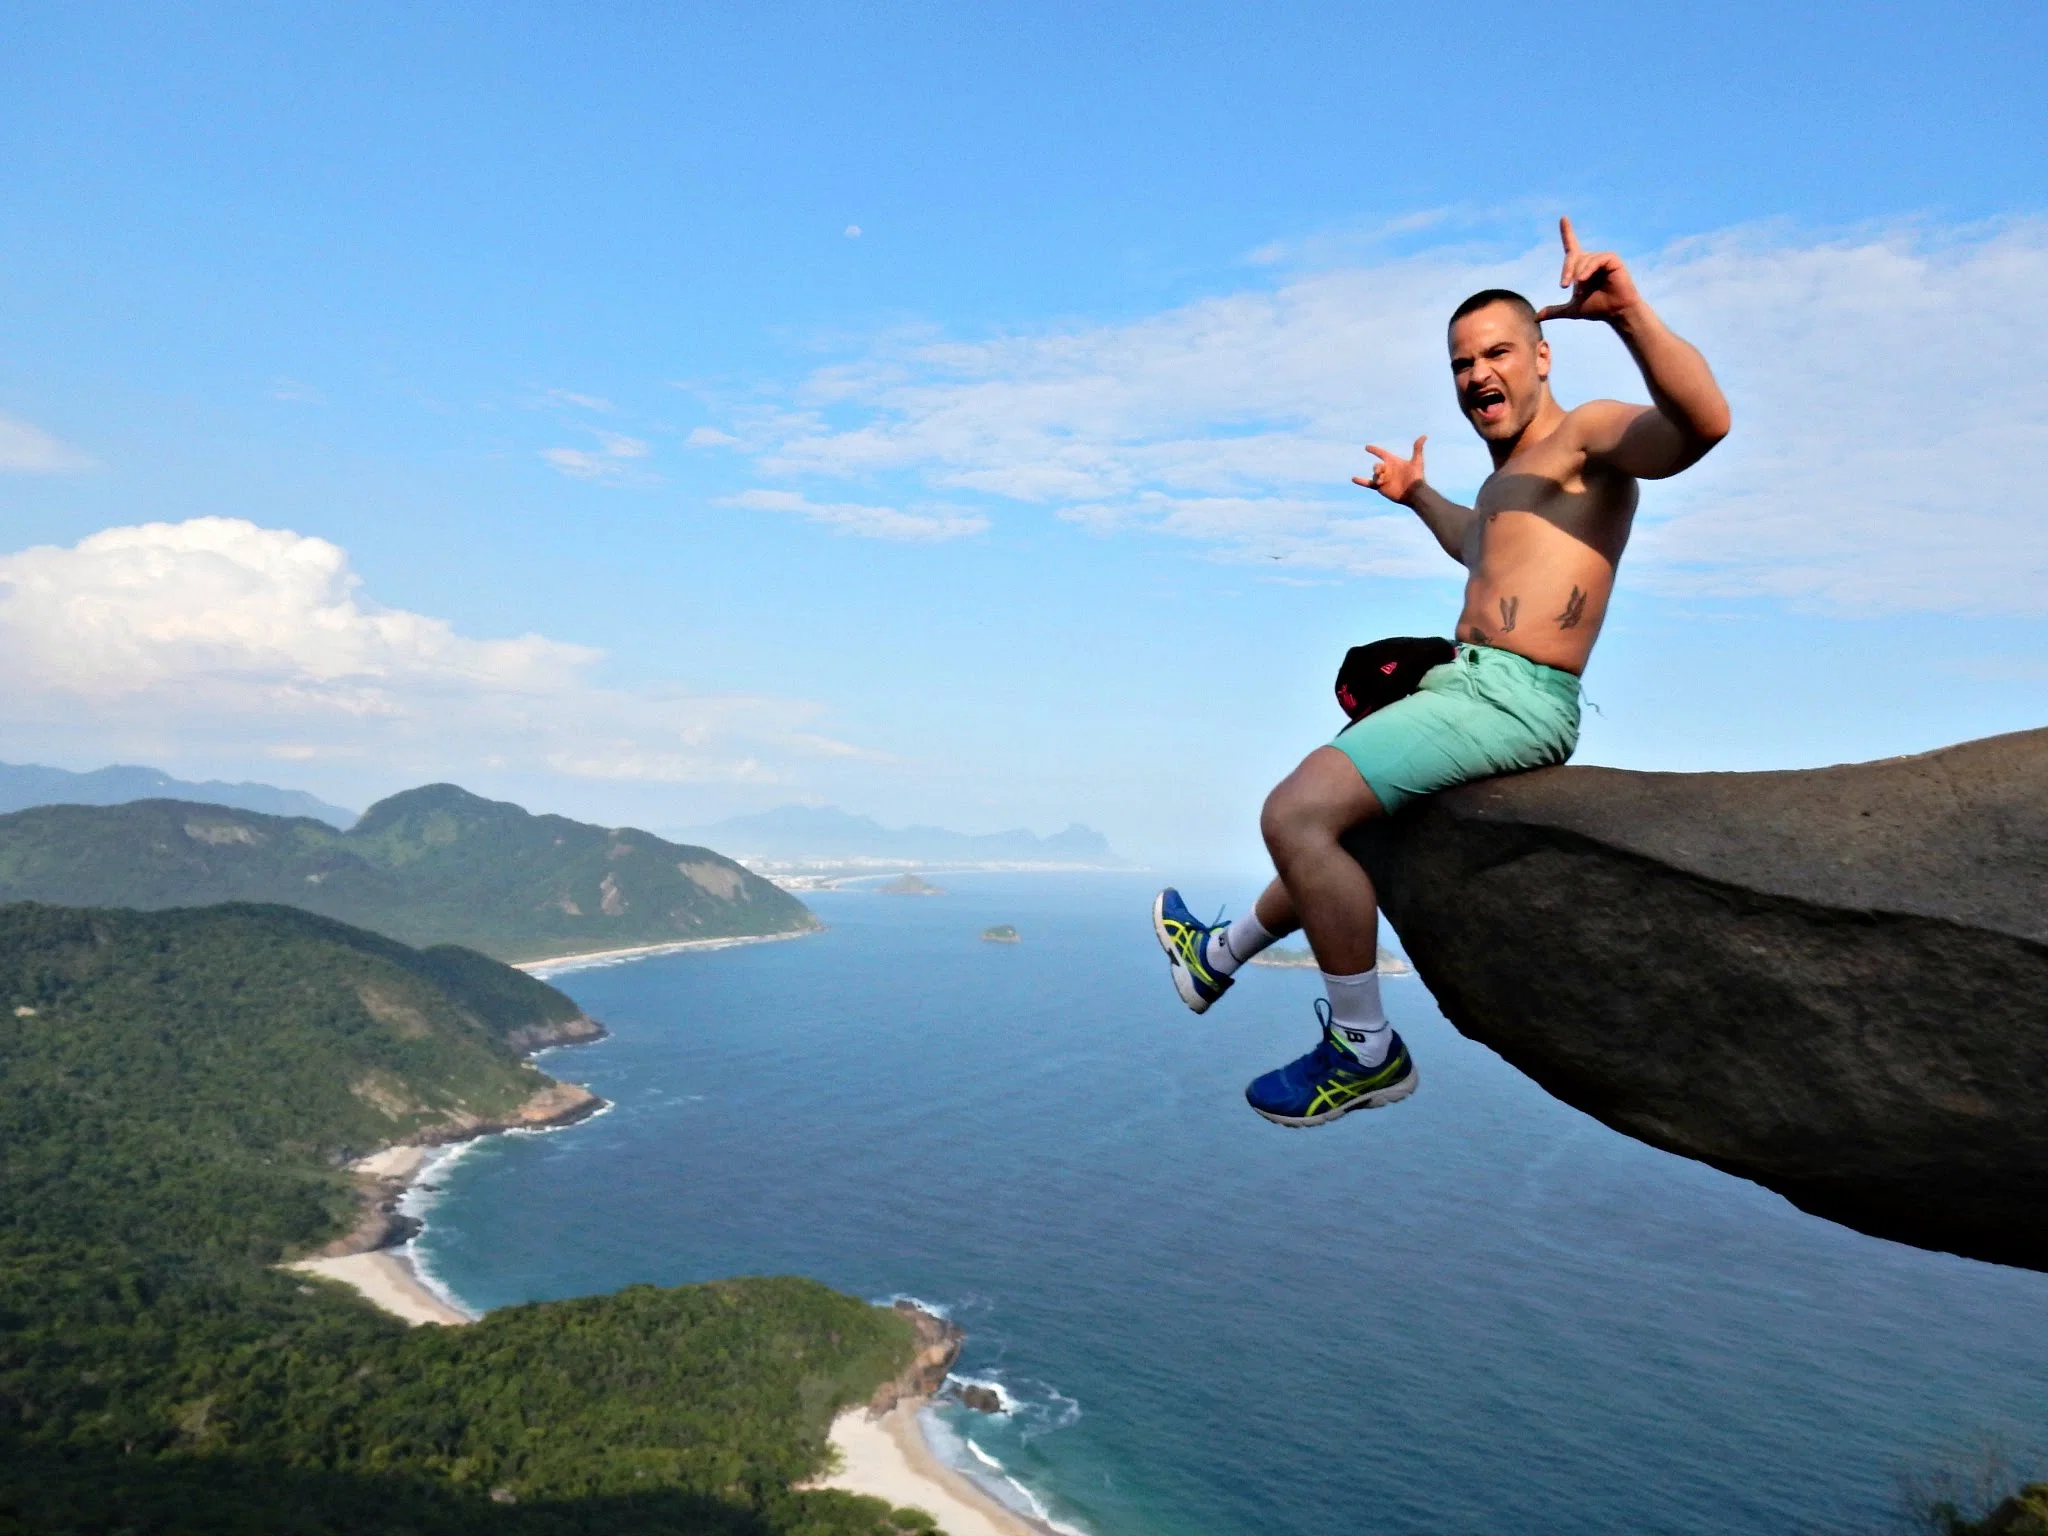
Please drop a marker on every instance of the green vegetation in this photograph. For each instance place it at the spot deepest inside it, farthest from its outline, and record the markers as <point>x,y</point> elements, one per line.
<point>179,1092</point>
<point>1001,933</point>
<point>2023,1514</point>
<point>436,865</point>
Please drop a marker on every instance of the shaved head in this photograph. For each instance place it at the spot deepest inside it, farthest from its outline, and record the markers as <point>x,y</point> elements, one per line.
<point>1486,298</point>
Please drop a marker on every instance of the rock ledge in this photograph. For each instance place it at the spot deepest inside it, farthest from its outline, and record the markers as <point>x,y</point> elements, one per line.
<point>1833,981</point>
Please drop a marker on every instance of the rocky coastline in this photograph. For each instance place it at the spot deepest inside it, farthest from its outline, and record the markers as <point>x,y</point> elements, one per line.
<point>938,1347</point>
<point>383,1176</point>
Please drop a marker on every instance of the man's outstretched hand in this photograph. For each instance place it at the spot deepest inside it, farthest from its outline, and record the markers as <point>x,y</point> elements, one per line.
<point>1393,477</point>
<point>1600,284</point>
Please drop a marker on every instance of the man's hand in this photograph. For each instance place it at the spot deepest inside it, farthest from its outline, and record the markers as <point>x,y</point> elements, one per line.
<point>1690,414</point>
<point>1601,286</point>
<point>1400,479</point>
<point>1393,477</point>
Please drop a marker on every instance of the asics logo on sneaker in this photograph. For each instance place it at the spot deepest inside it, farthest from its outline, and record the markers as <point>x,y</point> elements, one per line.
<point>1342,1086</point>
<point>1191,942</point>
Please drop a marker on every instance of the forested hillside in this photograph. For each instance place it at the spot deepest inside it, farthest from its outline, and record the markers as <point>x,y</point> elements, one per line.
<point>179,1093</point>
<point>436,865</point>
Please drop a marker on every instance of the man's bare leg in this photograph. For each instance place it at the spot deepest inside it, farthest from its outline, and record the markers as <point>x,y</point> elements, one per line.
<point>1303,821</point>
<point>1360,1063</point>
<point>1321,887</point>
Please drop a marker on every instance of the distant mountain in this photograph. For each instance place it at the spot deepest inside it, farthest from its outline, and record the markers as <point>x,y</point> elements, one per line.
<point>799,833</point>
<point>436,865</point>
<point>25,784</point>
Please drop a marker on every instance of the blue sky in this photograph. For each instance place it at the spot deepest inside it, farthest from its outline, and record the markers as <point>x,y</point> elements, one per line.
<point>508,397</point>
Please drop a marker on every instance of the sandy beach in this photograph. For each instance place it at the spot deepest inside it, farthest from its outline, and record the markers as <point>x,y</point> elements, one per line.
<point>559,963</point>
<point>883,1456</point>
<point>887,1458</point>
<point>386,1279</point>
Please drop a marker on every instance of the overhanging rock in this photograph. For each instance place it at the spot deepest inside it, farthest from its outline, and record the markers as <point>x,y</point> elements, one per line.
<point>1833,982</point>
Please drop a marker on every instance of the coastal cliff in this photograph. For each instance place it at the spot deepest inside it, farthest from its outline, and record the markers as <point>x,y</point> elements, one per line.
<point>1833,982</point>
<point>938,1346</point>
<point>580,1030</point>
<point>383,1177</point>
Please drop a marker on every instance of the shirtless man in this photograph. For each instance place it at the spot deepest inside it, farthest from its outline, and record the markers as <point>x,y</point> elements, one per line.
<point>1541,541</point>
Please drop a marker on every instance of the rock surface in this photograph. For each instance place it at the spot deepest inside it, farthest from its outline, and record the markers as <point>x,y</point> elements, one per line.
<point>938,1346</point>
<point>1832,981</point>
<point>580,1030</point>
<point>383,1177</point>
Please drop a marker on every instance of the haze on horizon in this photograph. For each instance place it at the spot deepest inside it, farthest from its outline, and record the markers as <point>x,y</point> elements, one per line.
<point>662,415</point>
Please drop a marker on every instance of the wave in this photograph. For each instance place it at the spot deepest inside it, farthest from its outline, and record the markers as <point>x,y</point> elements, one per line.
<point>567,1125</point>
<point>424,1192</point>
<point>936,1308</point>
<point>420,1197</point>
<point>1027,1411</point>
<point>987,1473</point>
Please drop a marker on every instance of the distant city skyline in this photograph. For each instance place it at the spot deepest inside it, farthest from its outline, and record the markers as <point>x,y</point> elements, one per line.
<point>662,416</point>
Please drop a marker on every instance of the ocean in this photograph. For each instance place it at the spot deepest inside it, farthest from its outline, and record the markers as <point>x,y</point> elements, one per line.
<point>1475,1311</point>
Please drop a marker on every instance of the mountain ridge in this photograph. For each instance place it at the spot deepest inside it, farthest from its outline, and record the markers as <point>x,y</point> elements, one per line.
<point>794,833</point>
<point>432,865</point>
<point>26,785</point>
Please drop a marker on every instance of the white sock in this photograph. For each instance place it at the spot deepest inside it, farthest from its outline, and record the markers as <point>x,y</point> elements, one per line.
<point>1228,948</point>
<point>1355,1010</point>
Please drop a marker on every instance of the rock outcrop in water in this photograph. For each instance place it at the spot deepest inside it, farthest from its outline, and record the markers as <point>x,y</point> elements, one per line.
<point>1833,982</point>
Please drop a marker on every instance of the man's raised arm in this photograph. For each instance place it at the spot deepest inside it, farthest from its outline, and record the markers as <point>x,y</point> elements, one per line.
<point>1400,479</point>
<point>1690,413</point>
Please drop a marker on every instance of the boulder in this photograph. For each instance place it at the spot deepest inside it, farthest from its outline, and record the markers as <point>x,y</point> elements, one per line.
<point>1833,981</point>
<point>981,1399</point>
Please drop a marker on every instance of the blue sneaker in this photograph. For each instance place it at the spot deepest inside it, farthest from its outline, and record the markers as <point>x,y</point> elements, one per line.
<point>1330,1081</point>
<point>1186,941</point>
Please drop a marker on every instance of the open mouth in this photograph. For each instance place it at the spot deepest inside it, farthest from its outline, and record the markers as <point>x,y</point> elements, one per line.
<point>1488,404</point>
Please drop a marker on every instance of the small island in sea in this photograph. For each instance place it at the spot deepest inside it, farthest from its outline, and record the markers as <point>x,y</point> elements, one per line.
<point>1390,964</point>
<point>1002,933</point>
<point>909,885</point>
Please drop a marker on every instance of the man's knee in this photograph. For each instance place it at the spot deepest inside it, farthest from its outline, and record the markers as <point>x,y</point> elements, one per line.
<point>1281,819</point>
<point>1317,803</point>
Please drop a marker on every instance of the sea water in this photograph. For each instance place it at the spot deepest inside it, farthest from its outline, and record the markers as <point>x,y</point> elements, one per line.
<point>1476,1311</point>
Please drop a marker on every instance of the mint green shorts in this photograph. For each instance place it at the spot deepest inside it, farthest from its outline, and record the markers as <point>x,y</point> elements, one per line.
<point>1488,712</point>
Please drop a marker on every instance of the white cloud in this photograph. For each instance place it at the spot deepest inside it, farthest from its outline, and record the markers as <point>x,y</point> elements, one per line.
<point>582,402</point>
<point>296,392</point>
<point>26,449</point>
<point>1888,429</point>
<point>866,521</point>
<point>709,437</point>
<point>220,631</point>
<point>612,462</point>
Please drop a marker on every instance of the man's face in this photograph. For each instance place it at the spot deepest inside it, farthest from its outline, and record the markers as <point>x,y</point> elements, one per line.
<point>1499,365</point>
